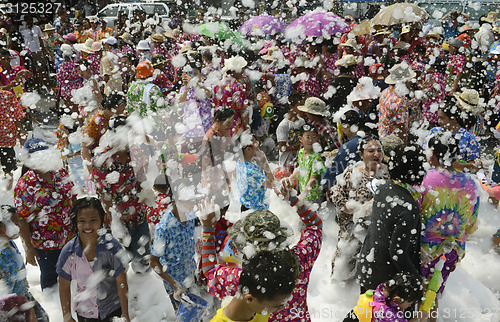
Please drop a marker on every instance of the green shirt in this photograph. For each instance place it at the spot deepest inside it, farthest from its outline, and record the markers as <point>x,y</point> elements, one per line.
<point>135,101</point>
<point>308,166</point>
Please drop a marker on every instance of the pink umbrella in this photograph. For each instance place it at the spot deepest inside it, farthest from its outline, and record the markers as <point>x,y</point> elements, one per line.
<point>318,24</point>
<point>262,25</point>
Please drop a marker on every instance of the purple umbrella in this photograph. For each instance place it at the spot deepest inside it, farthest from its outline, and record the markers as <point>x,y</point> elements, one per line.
<point>318,24</point>
<point>262,25</point>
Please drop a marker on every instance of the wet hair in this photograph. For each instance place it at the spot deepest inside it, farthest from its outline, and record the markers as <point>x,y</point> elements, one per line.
<point>113,100</point>
<point>162,183</point>
<point>295,98</point>
<point>451,109</point>
<point>223,114</point>
<point>363,142</point>
<point>420,49</point>
<point>268,274</point>
<point>406,286</point>
<point>406,164</point>
<point>445,147</point>
<point>4,52</point>
<point>308,128</point>
<point>347,69</point>
<point>86,203</point>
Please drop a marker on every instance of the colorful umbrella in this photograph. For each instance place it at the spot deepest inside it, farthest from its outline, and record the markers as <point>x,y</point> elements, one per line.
<point>216,30</point>
<point>318,24</point>
<point>262,25</point>
<point>399,13</point>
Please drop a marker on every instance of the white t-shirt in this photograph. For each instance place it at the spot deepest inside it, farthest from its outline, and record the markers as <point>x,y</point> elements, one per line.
<point>289,132</point>
<point>32,38</point>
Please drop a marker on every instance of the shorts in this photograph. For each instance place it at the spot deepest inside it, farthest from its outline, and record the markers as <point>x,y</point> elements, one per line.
<point>8,159</point>
<point>449,266</point>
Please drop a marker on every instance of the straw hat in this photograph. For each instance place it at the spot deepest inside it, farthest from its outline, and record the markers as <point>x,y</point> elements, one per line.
<point>400,73</point>
<point>271,54</point>
<point>468,29</point>
<point>364,90</point>
<point>496,29</point>
<point>96,46</point>
<point>314,105</point>
<point>383,31</point>
<point>127,38</point>
<point>492,17</point>
<point>346,61</point>
<point>87,46</point>
<point>48,27</point>
<point>433,35</point>
<point>185,49</point>
<point>469,100</point>
<point>158,59</point>
<point>157,38</point>
<point>351,42</point>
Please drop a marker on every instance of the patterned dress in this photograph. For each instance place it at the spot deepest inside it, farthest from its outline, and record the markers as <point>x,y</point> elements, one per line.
<point>392,111</point>
<point>435,95</point>
<point>251,187</point>
<point>68,78</point>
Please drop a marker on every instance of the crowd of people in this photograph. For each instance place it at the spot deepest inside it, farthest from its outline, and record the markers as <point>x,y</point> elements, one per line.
<point>162,129</point>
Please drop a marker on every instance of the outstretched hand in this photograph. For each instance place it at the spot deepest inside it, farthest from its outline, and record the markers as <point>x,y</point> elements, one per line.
<point>209,212</point>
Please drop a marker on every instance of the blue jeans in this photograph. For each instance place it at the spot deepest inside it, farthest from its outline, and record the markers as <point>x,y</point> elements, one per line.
<point>140,248</point>
<point>47,262</point>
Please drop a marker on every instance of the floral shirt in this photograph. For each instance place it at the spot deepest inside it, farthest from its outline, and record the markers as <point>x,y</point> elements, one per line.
<point>384,310</point>
<point>110,66</point>
<point>311,85</point>
<point>163,82</point>
<point>155,213</point>
<point>392,111</point>
<point>251,187</point>
<point>135,95</point>
<point>96,126</point>
<point>223,281</point>
<point>103,34</point>
<point>10,112</point>
<point>81,37</point>
<point>50,41</point>
<point>197,116</point>
<point>47,207</point>
<point>450,207</point>
<point>174,244</point>
<point>68,78</point>
<point>467,143</point>
<point>308,166</point>
<point>456,64</point>
<point>12,270</point>
<point>95,64</point>
<point>119,181</point>
<point>435,95</point>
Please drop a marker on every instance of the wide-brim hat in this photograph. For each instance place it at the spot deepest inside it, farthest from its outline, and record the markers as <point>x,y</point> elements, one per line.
<point>261,230</point>
<point>346,61</point>
<point>48,27</point>
<point>400,73</point>
<point>467,29</point>
<point>96,46</point>
<point>158,59</point>
<point>402,45</point>
<point>350,43</point>
<point>314,105</point>
<point>157,38</point>
<point>87,46</point>
<point>383,31</point>
<point>469,100</point>
<point>433,35</point>
<point>492,17</point>
<point>127,38</point>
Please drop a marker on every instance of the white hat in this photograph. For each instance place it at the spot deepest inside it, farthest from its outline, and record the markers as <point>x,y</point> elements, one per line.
<point>400,73</point>
<point>143,45</point>
<point>235,64</point>
<point>110,41</point>
<point>469,100</point>
<point>364,90</point>
<point>314,105</point>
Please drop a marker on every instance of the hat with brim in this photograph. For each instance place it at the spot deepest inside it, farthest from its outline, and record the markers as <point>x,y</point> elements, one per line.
<point>87,46</point>
<point>496,29</point>
<point>492,17</point>
<point>469,100</point>
<point>383,31</point>
<point>271,54</point>
<point>127,38</point>
<point>405,30</point>
<point>158,59</point>
<point>350,43</point>
<point>433,35</point>
<point>346,61</point>
<point>260,230</point>
<point>157,38</point>
<point>399,73</point>
<point>314,105</point>
<point>71,37</point>
<point>457,43</point>
<point>468,29</point>
<point>96,46</point>
<point>234,64</point>
<point>48,27</point>
<point>143,45</point>
<point>110,41</point>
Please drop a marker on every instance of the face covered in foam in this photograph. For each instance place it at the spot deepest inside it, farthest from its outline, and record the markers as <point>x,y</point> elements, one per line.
<point>43,161</point>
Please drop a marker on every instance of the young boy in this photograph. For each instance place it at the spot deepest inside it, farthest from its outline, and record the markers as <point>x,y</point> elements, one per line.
<point>252,180</point>
<point>266,283</point>
<point>288,132</point>
<point>310,166</point>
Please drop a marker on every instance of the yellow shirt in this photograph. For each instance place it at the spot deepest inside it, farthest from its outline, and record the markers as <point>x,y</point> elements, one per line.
<point>220,317</point>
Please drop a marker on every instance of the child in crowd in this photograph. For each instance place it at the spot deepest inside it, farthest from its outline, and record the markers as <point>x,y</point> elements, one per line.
<point>252,180</point>
<point>310,166</point>
<point>70,145</point>
<point>266,283</point>
<point>12,270</point>
<point>97,262</point>
<point>172,254</point>
<point>288,133</point>
<point>390,300</point>
<point>163,201</point>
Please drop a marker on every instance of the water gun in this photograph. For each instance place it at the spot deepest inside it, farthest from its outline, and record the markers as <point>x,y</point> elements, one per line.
<point>434,285</point>
<point>266,109</point>
<point>364,308</point>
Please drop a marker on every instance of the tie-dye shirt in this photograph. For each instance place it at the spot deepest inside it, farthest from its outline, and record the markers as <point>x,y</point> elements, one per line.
<point>449,212</point>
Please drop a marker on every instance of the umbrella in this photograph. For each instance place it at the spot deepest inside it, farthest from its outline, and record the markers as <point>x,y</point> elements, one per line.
<point>364,28</point>
<point>399,13</point>
<point>318,24</point>
<point>216,30</point>
<point>262,25</point>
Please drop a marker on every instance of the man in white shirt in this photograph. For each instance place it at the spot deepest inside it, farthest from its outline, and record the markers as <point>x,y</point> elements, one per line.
<point>32,36</point>
<point>484,37</point>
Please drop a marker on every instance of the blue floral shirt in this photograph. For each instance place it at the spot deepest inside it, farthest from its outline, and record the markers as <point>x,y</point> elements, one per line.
<point>467,143</point>
<point>251,187</point>
<point>174,244</point>
<point>12,270</point>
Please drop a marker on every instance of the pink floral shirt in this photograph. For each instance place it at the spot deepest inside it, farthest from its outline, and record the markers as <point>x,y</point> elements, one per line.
<point>457,64</point>
<point>46,206</point>
<point>224,281</point>
<point>435,95</point>
<point>68,78</point>
<point>392,111</point>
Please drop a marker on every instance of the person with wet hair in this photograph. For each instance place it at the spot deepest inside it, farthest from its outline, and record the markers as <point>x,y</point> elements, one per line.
<point>392,244</point>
